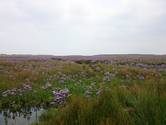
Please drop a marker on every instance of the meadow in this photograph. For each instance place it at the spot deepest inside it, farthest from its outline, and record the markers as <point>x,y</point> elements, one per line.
<point>85,92</point>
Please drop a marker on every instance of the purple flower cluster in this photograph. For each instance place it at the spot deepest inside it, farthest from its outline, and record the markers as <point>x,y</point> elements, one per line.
<point>46,86</point>
<point>15,91</point>
<point>60,96</point>
<point>141,77</point>
<point>63,78</point>
<point>9,92</point>
<point>91,90</point>
<point>27,87</point>
<point>108,76</point>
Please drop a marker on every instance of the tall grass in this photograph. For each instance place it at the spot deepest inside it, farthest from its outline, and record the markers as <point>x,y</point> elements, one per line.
<point>134,105</point>
<point>83,111</point>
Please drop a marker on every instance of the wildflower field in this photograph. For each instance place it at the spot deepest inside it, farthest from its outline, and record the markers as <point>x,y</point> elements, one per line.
<point>84,92</point>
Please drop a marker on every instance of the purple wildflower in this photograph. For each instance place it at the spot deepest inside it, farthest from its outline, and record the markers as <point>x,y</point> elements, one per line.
<point>60,96</point>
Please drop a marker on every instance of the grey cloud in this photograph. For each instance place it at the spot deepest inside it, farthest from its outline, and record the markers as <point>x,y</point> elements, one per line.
<point>82,27</point>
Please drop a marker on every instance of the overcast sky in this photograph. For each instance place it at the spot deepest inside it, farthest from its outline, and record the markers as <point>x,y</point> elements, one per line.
<point>82,27</point>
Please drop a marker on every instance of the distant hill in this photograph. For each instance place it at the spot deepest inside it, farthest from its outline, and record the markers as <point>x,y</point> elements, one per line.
<point>120,57</point>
